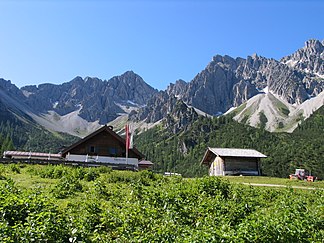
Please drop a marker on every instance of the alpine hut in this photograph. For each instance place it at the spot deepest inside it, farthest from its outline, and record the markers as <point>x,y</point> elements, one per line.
<point>103,146</point>
<point>232,161</point>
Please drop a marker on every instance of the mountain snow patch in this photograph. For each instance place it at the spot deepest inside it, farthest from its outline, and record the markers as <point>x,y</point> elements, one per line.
<point>55,104</point>
<point>266,90</point>
<point>291,63</point>
<point>131,102</point>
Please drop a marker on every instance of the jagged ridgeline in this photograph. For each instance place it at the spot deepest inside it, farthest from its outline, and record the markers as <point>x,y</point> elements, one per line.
<point>182,151</point>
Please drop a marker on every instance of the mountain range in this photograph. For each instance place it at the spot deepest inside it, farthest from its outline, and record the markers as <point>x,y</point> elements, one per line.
<point>258,91</point>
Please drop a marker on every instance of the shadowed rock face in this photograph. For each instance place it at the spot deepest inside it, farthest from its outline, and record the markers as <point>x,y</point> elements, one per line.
<point>174,111</point>
<point>178,88</point>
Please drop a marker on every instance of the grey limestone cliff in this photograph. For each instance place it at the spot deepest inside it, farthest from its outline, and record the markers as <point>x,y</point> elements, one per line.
<point>310,58</point>
<point>228,82</point>
<point>94,98</point>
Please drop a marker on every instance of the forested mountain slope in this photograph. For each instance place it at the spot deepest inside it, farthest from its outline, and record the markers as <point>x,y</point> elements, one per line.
<point>182,152</point>
<point>19,135</point>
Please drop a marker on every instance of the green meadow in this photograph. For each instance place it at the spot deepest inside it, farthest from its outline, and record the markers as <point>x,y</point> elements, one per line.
<point>65,204</point>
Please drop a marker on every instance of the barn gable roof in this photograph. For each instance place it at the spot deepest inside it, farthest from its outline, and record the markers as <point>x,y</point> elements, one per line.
<point>231,152</point>
<point>234,152</point>
<point>105,128</point>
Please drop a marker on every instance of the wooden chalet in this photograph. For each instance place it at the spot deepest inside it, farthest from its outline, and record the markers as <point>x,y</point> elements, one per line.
<point>102,146</point>
<point>232,161</point>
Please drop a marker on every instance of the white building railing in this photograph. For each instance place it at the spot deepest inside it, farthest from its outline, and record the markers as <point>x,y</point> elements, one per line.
<point>101,159</point>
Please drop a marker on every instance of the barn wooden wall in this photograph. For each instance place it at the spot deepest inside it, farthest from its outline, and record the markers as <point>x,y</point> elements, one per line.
<point>241,164</point>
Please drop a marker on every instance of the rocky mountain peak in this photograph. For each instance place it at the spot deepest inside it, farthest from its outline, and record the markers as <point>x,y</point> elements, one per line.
<point>130,87</point>
<point>178,88</point>
<point>11,89</point>
<point>223,61</point>
<point>309,59</point>
<point>174,113</point>
<point>313,46</point>
<point>226,82</point>
<point>92,98</point>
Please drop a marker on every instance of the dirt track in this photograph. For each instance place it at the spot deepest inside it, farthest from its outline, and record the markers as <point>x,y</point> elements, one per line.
<point>274,185</point>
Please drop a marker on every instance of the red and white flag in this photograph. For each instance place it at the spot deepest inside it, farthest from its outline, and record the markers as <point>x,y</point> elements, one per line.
<point>129,136</point>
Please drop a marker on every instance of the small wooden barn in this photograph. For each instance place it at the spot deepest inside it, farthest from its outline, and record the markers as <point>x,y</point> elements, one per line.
<point>103,146</point>
<point>232,161</point>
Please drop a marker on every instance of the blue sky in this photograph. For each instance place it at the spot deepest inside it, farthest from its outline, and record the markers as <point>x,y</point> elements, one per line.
<point>162,41</point>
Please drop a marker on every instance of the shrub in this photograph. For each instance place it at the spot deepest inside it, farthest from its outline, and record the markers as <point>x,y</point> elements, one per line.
<point>122,177</point>
<point>91,175</point>
<point>30,217</point>
<point>104,169</point>
<point>67,186</point>
<point>14,168</point>
<point>49,171</point>
<point>213,185</point>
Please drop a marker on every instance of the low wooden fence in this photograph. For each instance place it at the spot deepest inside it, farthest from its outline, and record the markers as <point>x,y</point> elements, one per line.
<point>68,163</point>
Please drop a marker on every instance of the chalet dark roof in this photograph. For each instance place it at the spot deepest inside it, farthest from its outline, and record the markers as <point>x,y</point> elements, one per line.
<point>230,152</point>
<point>102,129</point>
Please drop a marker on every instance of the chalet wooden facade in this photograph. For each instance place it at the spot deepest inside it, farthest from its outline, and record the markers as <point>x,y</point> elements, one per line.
<point>103,145</point>
<point>231,161</point>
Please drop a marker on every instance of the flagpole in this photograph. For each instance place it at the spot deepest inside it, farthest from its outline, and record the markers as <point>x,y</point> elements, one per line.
<point>126,155</point>
<point>129,139</point>
<point>127,142</point>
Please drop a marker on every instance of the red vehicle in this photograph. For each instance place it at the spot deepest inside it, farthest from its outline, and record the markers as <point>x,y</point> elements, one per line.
<point>301,174</point>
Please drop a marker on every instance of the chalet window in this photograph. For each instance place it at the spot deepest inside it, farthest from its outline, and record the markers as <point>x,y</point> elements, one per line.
<point>92,149</point>
<point>112,151</point>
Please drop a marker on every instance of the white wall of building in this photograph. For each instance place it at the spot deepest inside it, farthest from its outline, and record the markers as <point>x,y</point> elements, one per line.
<point>101,159</point>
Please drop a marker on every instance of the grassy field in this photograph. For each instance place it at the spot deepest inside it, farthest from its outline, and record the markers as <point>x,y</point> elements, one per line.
<point>273,180</point>
<point>26,180</point>
<point>66,204</point>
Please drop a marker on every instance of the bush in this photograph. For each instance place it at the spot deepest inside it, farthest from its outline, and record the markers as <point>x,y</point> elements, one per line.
<point>213,185</point>
<point>146,207</point>
<point>122,177</point>
<point>91,175</point>
<point>67,186</point>
<point>14,168</point>
<point>104,169</point>
<point>30,217</point>
<point>49,171</point>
